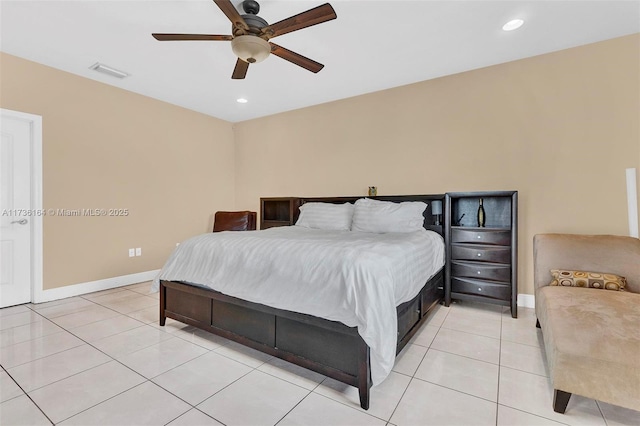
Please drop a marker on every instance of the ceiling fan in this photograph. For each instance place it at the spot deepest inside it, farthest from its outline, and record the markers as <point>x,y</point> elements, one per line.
<point>251,34</point>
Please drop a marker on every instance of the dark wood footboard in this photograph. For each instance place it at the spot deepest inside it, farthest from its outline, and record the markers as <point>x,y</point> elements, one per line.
<point>327,347</point>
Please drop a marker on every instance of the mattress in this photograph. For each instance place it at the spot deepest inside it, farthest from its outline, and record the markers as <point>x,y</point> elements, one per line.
<point>355,278</point>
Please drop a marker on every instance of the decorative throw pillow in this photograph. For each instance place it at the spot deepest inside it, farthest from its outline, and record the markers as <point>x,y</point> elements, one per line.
<point>327,216</point>
<point>588,279</point>
<point>384,216</point>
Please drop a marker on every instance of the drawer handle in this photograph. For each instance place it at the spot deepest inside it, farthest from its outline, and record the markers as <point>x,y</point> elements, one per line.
<point>479,289</point>
<point>478,272</point>
<point>479,236</point>
<point>479,254</point>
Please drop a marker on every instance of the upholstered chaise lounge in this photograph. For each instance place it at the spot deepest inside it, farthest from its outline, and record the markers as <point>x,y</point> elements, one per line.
<point>591,335</point>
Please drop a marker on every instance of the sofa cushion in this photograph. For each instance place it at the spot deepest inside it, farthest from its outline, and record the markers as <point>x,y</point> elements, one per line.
<point>592,342</point>
<point>596,280</point>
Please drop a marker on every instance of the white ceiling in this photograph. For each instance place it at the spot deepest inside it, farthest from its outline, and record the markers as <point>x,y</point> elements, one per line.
<point>372,45</point>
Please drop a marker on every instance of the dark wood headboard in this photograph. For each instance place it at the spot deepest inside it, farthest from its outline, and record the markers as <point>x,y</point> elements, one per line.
<point>429,219</point>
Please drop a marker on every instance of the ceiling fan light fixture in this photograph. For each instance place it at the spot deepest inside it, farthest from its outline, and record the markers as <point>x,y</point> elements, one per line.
<point>251,49</point>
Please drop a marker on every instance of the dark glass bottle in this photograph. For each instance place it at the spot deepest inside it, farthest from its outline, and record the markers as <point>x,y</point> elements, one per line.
<point>481,215</point>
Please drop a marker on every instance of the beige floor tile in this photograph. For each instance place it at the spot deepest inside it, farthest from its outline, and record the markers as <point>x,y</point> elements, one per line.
<point>245,401</point>
<point>424,336</point>
<point>147,315</point>
<point>427,404</point>
<point>525,314</point>
<point>469,345</point>
<point>161,357</point>
<point>408,360</point>
<point>132,304</point>
<point>477,378</point>
<point>510,417</point>
<point>112,295</point>
<point>533,394</point>
<point>98,294</point>
<point>618,416</point>
<point>142,288</point>
<point>200,378</point>
<point>201,338</point>
<point>521,330</point>
<point>243,354</point>
<point>146,404</point>
<point>8,388</point>
<point>194,418</point>
<point>436,317</point>
<point>130,341</point>
<point>477,309</point>
<point>21,411</point>
<point>171,326</point>
<point>68,397</point>
<point>470,322</point>
<point>384,397</point>
<point>105,328</point>
<point>18,319</point>
<point>23,333</point>
<point>24,352</point>
<point>292,373</point>
<point>527,358</point>
<point>39,306</point>
<point>77,305</point>
<point>44,371</point>
<point>86,316</point>
<point>19,309</point>
<point>316,410</point>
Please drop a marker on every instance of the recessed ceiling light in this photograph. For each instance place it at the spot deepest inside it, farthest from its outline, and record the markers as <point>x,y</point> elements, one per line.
<point>242,100</point>
<point>104,69</point>
<point>513,25</point>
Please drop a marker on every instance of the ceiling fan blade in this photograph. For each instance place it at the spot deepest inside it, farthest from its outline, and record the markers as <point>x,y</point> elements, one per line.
<point>177,37</point>
<point>314,16</point>
<point>240,71</point>
<point>232,13</point>
<point>296,58</point>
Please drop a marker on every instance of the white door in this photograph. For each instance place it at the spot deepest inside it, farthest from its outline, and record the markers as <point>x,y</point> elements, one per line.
<point>16,214</point>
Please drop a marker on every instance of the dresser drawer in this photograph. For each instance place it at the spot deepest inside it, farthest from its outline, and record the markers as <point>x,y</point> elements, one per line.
<point>495,272</point>
<point>479,253</point>
<point>481,288</point>
<point>501,237</point>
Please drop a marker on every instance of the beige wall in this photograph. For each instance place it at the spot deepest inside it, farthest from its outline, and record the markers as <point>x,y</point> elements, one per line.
<point>105,147</point>
<point>559,128</point>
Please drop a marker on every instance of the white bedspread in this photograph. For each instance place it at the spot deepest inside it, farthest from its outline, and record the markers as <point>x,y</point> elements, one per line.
<point>355,278</point>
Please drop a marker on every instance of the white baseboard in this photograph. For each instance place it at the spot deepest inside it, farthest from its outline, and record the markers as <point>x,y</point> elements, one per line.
<point>91,286</point>
<point>526,300</point>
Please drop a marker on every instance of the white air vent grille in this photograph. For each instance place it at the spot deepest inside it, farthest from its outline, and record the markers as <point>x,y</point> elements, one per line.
<point>104,69</point>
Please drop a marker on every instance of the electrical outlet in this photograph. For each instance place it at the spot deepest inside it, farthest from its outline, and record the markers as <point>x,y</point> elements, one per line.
<point>139,251</point>
<point>132,252</point>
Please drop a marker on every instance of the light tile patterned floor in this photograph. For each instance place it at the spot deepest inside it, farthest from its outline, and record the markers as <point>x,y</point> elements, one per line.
<point>102,359</point>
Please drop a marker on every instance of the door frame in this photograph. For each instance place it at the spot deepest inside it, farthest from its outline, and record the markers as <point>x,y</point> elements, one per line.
<point>35,122</point>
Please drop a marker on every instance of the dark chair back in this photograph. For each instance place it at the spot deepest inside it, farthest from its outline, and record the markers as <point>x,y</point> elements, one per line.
<point>234,221</point>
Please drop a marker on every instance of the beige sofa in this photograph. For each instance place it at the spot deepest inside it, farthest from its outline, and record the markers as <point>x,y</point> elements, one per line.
<point>591,336</point>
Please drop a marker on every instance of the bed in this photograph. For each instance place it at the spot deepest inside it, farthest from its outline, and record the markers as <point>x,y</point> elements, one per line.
<point>304,325</point>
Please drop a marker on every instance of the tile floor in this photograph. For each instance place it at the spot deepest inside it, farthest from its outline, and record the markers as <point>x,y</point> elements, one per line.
<point>102,359</point>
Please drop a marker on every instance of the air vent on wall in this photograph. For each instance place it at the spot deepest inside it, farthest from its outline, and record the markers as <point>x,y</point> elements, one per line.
<point>104,69</point>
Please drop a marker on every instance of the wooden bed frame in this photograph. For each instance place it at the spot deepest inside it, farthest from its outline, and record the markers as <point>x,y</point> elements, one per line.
<point>327,347</point>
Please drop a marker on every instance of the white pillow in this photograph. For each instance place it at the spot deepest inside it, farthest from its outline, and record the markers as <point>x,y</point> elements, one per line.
<point>385,216</point>
<point>327,216</point>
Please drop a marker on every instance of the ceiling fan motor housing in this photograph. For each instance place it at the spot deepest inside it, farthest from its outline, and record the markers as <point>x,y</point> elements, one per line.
<point>251,6</point>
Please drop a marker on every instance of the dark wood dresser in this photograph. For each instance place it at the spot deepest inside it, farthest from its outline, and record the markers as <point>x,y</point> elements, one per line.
<point>483,259</point>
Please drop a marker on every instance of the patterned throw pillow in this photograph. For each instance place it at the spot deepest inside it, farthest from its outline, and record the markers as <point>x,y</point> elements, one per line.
<point>588,279</point>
